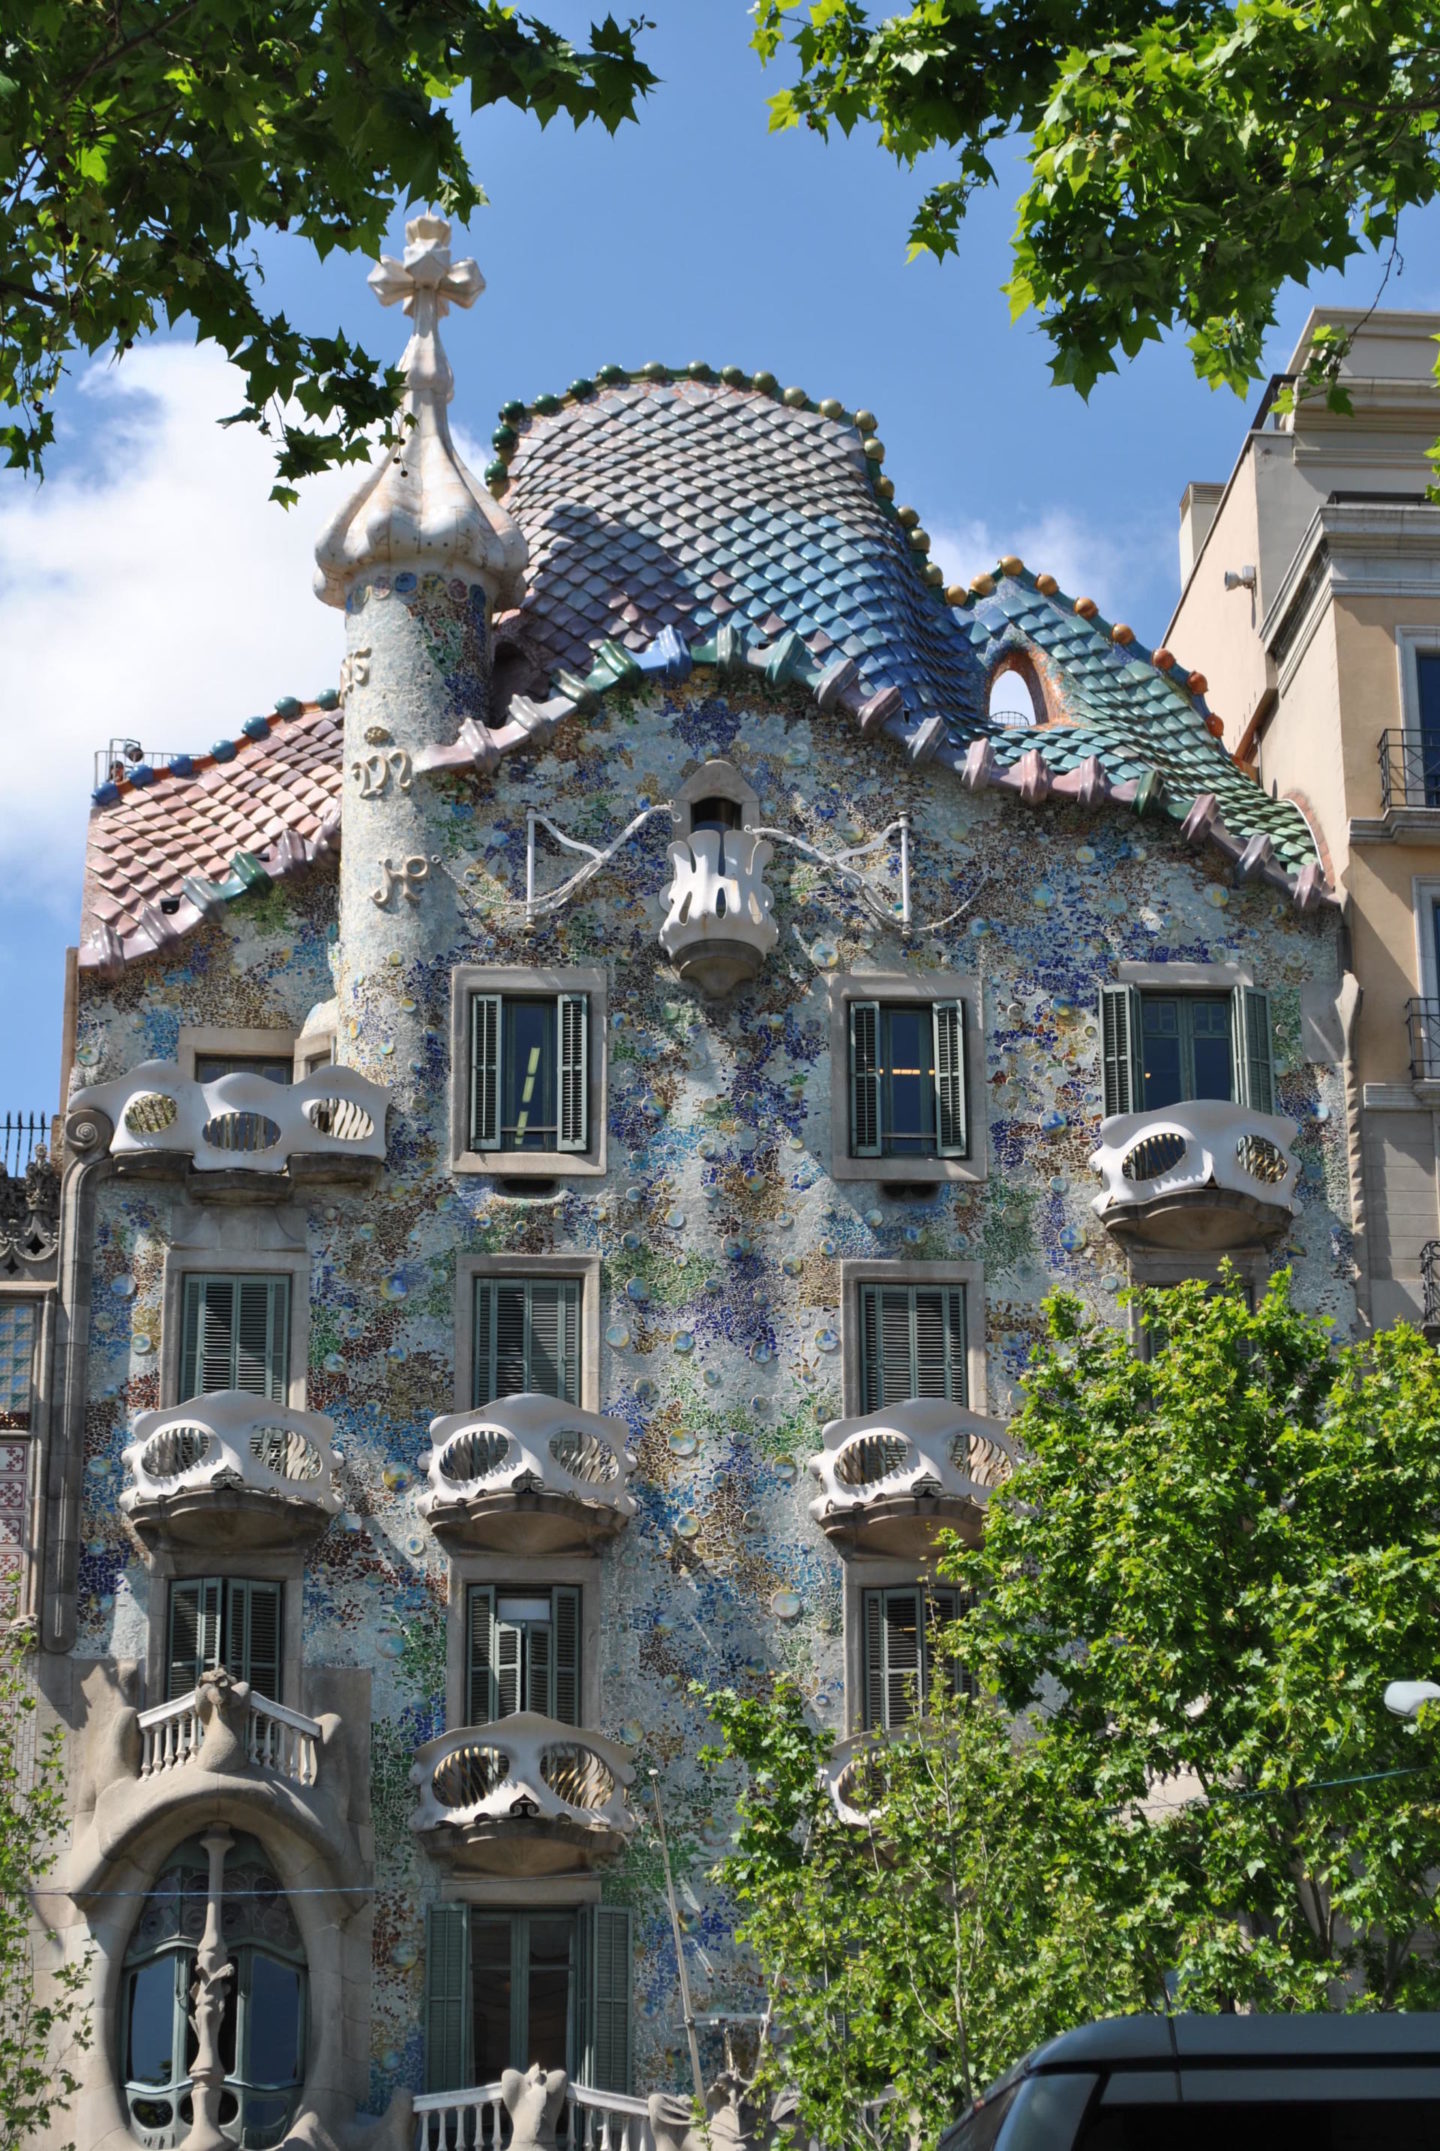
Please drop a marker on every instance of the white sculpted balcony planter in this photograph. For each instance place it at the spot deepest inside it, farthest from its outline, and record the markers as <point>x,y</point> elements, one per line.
<point>229,1470</point>
<point>525,1795</point>
<point>894,1479</point>
<point>243,1129</point>
<point>1200,1177</point>
<point>527,1475</point>
<point>718,929</point>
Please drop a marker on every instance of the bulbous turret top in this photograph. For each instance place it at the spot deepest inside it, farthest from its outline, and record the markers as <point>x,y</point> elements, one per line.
<point>419,507</point>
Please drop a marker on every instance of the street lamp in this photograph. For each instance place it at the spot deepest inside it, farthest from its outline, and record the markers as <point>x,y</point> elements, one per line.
<point>1407,1697</point>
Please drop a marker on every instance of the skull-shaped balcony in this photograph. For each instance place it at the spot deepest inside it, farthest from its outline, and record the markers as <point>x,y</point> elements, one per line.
<point>1202,1177</point>
<point>525,1795</point>
<point>528,1474</point>
<point>241,1135</point>
<point>230,1470</point>
<point>892,1481</point>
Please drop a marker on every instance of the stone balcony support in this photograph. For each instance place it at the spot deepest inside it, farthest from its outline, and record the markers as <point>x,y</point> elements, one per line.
<point>527,1475</point>
<point>892,1480</point>
<point>1203,1177</point>
<point>231,1470</point>
<point>525,1795</point>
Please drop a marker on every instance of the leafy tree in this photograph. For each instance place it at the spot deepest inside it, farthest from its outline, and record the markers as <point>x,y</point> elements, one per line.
<point>144,149</point>
<point>34,2028</point>
<point>1185,161</point>
<point>1176,1779</point>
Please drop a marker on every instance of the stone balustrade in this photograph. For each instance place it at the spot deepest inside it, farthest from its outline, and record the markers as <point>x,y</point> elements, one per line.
<point>718,929</point>
<point>282,1742</point>
<point>528,1474</point>
<point>231,1469</point>
<point>892,1480</point>
<point>852,1775</point>
<point>332,1120</point>
<point>1203,1176</point>
<point>584,2119</point>
<point>525,1795</point>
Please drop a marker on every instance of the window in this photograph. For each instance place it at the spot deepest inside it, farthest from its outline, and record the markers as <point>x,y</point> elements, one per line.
<point>1159,1048</point>
<point>912,1344</point>
<point>907,1079</point>
<point>235,1334</point>
<point>522,1653</point>
<point>17,1363</point>
<point>505,1989</point>
<point>262,2035</point>
<point>527,1338</point>
<point>529,1071</point>
<point>224,1621</point>
<point>277,1068</point>
<point>898,1630</point>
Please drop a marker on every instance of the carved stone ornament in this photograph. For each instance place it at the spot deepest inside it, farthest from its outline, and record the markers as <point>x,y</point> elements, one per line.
<point>534,2102</point>
<point>718,929</point>
<point>29,1215</point>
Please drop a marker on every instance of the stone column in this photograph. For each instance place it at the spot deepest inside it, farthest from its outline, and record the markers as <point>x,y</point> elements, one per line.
<point>211,1993</point>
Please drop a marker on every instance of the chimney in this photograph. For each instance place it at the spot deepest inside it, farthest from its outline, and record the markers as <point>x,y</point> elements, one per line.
<point>1197,513</point>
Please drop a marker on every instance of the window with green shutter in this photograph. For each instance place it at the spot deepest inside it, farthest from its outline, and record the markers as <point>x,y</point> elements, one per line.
<point>527,1338</point>
<point>504,1990</point>
<point>235,1334</point>
<point>529,1071</point>
<point>522,1653</point>
<point>226,1621</point>
<point>912,1344</point>
<point>899,1630</point>
<point>907,1079</point>
<point>1159,1049</point>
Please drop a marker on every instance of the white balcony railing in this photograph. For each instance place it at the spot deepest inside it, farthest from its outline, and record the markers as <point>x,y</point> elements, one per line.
<point>718,929</point>
<point>894,1478</point>
<point>272,1738</point>
<point>229,1442</point>
<point>852,1774</point>
<point>530,1474</point>
<point>1162,1168</point>
<point>241,1122</point>
<point>525,1776</point>
<point>588,2121</point>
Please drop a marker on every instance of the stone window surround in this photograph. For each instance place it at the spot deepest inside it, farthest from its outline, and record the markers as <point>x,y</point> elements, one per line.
<point>585,1269</point>
<point>182,1261</point>
<point>969,1274</point>
<point>469,978</point>
<point>925,987</point>
<point>1184,977</point>
<point>521,1893</point>
<point>1156,1267</point>
<point>275,1043</point>
<point>1425,895</point>
<point>715,780</point>
<point>868,1572</point>
<point>178,1564</point>
<point>523,1574</point>
<point>1411,643</point>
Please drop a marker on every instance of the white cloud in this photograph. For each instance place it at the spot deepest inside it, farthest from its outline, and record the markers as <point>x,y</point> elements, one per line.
<point>149,589</point>
<point>1130,578</point>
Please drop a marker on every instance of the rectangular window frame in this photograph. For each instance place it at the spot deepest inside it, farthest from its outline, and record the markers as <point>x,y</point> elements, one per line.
<point>226,1607</point>
<point>279,1295</point>
<point>935,989</point>
<point>31,1304</point>
<point>471,980</point>
<point>854,1276</point>
<point>567,1298</point>
<point>601,2003</point>
<point>873,1711</point>
<point>524,1576</point>
<point>276,1043</point>
<point>562,1687</point>
<point>584,1269</point>
<point>182,1261</point>
<point>190,1564</point>
<point>1119,1059</point>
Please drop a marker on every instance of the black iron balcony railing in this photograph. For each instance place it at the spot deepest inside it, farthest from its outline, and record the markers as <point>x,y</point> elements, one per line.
<point>1423,1018</point>
<point>1430,1283</point>
<point>1409,769</point>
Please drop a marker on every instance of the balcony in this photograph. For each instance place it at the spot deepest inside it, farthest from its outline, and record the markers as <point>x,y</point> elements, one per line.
<point>243,1135</point>
<point>1409,787</point>
<point>587,2120</point>
<point>264,1735</point>
<point>1203,1177</point>
<point>893,1481</point>
<point>523,1796</point>
<point>1423,1021</point>
<point>527,1475</point>
<point>229,1471</point>
<point>29,1198</point>
<point>718,929</point>
<point>853,1775</point>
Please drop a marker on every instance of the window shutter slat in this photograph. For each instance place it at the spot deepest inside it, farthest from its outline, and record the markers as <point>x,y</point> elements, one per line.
<point>874,1650</point>
<point>505,1651</point>
<point>260,1664</point>
<point>511,1358</point>
<point>902,1642</point>
<point>447,1984</point>
<point>184,1665</point>
<point>190,1320</point>
<point>610,1998</point>
<point>1252,1034</point>
<point>865,1130</point>
<point>480,1625</point>
<point>573,1028</point>
<point>216,1346</point>
<point>1120,1049</point>
<point>486,1016</point>
<point>566,1633</point>
<point>951,1133</point>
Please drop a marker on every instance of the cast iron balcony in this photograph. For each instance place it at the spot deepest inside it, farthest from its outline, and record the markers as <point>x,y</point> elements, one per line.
<point>229,1470</point>
<point>1409,770</point>
<point>527,1475</point>
<point>242,1130</point>
<point>525,1795</point>
<point>1423,1018</point>
<point>1199,1177</point>
<point>893,1480</point>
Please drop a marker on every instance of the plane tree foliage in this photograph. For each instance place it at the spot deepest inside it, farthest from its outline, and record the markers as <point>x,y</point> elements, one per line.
<point>1169,1779</point>
<point>149,148</point>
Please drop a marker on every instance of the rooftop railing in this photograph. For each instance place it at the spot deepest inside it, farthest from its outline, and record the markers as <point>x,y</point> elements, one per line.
<point>1409,769</point>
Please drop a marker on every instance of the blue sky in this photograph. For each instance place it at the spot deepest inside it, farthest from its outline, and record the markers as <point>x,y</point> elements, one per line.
<point>149,587</point>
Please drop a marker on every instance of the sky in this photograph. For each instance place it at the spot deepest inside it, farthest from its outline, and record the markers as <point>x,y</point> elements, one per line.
<point>148,588</point>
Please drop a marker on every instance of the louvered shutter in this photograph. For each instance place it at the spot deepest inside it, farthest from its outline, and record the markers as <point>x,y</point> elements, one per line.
<point>252,1635</point>
<point>896,1347</point>
<point>903,1646</point>
<point>1124,1081</point>
<point>566,1634</point>
<point>262,1339</point>
<point>538,1667</point>
<point>1251,1037</point>
<point>553,1361</point>
<point>951,1134</point>
<point>482,1368</point>
<point>510,1370</point>
<point>939,1335</point>
<point>873,1646</point>
<point>479,1649</point>
<point>572,1025</point>
<point>194,1633</point>
<point>865,1131</point>
<point>505,1651</point>
<point>944,1607</point>
<point>610,1999</point>
<point>447,1997</point>
<point>486,1024</point>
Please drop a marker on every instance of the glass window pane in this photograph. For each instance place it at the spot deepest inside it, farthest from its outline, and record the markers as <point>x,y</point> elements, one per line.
<point>1160,1040</point>
<point>1427,670</point>
<point>549,1971</point>
<point>150,2054</point>
<point>17,1359</point>
<point>908,1053</point>
<point>527,1104</point>
<point>1214,1065</point>
<point>273,2030</point>
<point>210,1066</point>
<point>490,1980</point>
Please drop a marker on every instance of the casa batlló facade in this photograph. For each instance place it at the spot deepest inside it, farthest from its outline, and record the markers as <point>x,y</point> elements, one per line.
<point>568,1135</point>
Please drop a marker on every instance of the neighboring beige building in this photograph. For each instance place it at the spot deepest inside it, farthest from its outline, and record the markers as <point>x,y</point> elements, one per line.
<point>1311,595</point>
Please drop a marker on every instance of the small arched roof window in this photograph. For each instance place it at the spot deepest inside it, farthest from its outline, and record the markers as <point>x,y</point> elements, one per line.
<point>1015,697</point>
